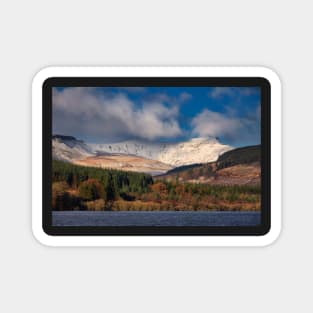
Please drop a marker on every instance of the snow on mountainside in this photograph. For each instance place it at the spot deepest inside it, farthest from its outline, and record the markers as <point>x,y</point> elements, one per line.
<point>196,150</point>
<point>68,148</point>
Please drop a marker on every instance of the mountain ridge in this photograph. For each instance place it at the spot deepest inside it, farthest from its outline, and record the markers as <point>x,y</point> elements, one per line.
<point>195,150</point>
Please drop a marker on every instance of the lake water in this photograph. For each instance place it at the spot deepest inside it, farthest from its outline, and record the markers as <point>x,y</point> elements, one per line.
<point>127,218</point>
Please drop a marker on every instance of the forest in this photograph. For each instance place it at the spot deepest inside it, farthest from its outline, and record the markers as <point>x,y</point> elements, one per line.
<point>95,189</point>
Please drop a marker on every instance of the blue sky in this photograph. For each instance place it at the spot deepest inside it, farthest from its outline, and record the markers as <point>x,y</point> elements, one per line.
<point>158,113</point>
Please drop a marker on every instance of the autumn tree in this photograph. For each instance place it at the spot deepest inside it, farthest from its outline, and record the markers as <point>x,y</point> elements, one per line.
<point>91,189</point>
<point>160,188</point>
<point>62,199</point>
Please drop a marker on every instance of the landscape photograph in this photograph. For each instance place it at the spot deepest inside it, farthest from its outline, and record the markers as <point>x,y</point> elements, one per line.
<point>156,156</point>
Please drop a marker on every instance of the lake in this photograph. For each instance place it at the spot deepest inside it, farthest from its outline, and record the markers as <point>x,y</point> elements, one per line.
<point>169,218</point>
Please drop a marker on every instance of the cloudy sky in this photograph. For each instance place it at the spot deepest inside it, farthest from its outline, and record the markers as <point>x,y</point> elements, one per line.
<point>112,114</point>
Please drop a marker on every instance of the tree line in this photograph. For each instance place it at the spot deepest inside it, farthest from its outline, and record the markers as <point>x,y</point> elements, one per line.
<point>113,181</point>
<point>77,187</point>
<point>73,185</point>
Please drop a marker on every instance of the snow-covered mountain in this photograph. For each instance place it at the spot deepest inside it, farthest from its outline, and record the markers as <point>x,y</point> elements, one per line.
<point>196,150</point>
<point>68,148</point>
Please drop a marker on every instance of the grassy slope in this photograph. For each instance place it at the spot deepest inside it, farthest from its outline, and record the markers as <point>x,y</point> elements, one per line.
<point>245,155</point>
<point>238,166</point>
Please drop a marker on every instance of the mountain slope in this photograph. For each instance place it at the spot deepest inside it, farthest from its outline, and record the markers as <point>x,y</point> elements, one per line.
<point>243,155</point>
<point>237,167</point>
<point>126,163</point>
<point>68,148</point>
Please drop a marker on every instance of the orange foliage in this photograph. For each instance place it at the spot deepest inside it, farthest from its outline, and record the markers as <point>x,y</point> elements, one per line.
<point>160,188</point>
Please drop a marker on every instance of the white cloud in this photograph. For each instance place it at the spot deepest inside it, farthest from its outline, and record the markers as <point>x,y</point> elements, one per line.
<point>172,100</point>
<point>232,92</point>
<point>184,96</point>
<point>219,92</point>
<point>229,126</point>
<point>84,111</point>
<point>209,123</point>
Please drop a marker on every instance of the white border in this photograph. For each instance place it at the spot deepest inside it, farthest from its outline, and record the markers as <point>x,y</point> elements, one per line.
<point>45,239</point>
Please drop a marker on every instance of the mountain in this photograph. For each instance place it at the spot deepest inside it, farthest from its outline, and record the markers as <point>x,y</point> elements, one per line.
<point>148,156</point>
<point>196,150</point>
<point>240,166</point>
<point>69,149</point>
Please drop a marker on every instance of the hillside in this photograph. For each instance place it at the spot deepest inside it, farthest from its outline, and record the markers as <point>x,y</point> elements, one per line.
<point>126,163</point>
<point>245,155</point>
<point>68,149</point>
<point>237,167</point>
